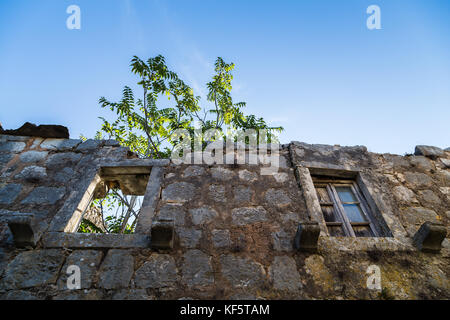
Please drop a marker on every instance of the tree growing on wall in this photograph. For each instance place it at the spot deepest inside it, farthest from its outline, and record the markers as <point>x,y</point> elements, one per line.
<point>145,122</point>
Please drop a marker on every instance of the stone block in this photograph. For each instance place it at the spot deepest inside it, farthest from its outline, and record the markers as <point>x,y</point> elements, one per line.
<point>221,173</point>
<point>88,262</point>
<point>242,272</point>
<point>203,215</point>
<point>307,236</point>
<point>189,237</point>
<point>248,176</point>
<point>90,145</point>
<point>429,151</point>
<point>284,274</point>
<point>60,144</point>
<point>277,198</point>
<point>62,159</point>
<point>33,268</point>
<point>221,238</point>
<point>12,146</point>
<point>197,270</point>
<point>64,175</point>
<point>430,236</point>
<point>242,194</point>
<point>179,192</point>
<point>248,215</point>
<point>159,271</point>
<point>116,270</point>
<point>9,192</point>
<point>282,241</point>
<point>132,294</point>
<point>5,158</point>
<point>45,195</point>
<point>217,193</point>
<point>193,171</point>
<point>32,174</point>
<point>172,212</point>
<point>33,156</point>
<point>162,234</point>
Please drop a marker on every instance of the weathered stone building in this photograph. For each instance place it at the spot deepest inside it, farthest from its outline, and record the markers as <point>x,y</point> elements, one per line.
<point>309,231</point>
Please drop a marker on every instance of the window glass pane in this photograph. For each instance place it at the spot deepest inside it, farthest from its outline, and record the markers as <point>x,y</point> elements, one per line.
<point>336,231</point>
<point>328,214</point>
<point>362,231</point>
<point>354,213</point>
<point>346,194</point>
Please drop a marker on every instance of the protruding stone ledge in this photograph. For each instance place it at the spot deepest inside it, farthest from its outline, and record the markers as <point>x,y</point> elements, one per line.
<point>307,236</point>
<point>21,226</point>
<point>136,163</point>
<point>94,240</point>
<point>162,234</point>
<point>430,236</point>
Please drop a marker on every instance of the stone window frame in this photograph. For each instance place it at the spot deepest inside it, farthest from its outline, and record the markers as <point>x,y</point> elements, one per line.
<point>337,206</point>
<point>394,236</point>
<point>61,232</point>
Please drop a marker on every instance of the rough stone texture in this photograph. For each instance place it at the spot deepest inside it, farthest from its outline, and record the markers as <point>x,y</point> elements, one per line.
<point>284,274</point>
<point>43,130</point>
<point>45,195</point>
<point>197,270</point>
<point>221,238</point>
<point>5,158</point>
<point>242,194</point>
<point>89,144</point>
<point>247,176</point>
<point>429,197</point>
<point>159,271</point>
<point>62,159</point>
<point>179,192</point>
<point>93,294</point>
<point>403,194</point>
<point>203,215</point>
<point>33,156</point>
<point>173,212</point>
<point>88,262</point>
<point>242,272</point>
<point>60,144</point>
<point>32,269</point>
<point>418,180</point>
<point>221,173</point>
<point>217,193</point>
<point>12,146</point>
<point>64,175</point>
<point>116,270</point>
<point>429,151</point>
<point>193,171</point>
<point>277,198</point>
<point>282,241</point>
<point>246,215</point>
<point>416,216</point>
<point>189,237</point>
<point>32,174</point>
<point>9,193</point>
<point>234,227</point>
<point>132,294</point>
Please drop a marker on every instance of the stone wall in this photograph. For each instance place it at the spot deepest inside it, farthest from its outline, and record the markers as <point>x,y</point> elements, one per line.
<point>233,228</point>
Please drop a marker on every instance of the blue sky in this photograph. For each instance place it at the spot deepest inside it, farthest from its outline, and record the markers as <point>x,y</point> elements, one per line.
<point>311,66</point>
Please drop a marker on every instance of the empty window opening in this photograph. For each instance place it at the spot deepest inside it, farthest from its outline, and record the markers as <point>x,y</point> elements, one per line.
<point>344,208</point>
<point>116,202</point>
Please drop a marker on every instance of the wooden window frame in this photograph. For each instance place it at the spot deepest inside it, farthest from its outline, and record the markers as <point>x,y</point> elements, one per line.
<point>338,206</point>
